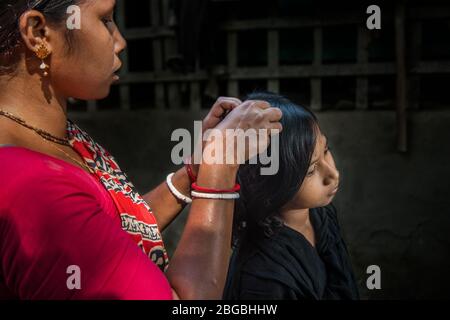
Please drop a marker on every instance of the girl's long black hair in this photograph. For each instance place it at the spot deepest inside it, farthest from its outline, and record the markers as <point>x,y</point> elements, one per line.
<point>262,196</point>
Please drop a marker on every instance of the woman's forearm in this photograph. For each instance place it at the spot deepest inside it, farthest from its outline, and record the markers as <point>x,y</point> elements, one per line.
<point>164,204</point>
<point>199,266</point>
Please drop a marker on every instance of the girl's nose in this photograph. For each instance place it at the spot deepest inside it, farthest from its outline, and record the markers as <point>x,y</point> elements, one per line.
<point>332,176</point>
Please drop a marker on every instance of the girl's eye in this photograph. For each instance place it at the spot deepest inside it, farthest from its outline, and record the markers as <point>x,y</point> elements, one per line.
<point>310,173</point>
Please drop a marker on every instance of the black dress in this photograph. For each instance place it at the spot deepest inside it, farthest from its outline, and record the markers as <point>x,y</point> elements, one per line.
<point>287,266</point>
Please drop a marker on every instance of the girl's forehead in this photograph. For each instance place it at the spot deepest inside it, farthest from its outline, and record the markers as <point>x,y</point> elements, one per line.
<point>321,142</point>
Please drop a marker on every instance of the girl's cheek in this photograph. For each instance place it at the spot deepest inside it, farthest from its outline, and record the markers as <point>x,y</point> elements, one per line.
<point>310,194</point>
<point>318,192</point>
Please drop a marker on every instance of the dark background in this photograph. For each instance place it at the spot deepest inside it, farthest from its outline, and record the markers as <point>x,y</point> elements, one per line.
<point>394,200</point>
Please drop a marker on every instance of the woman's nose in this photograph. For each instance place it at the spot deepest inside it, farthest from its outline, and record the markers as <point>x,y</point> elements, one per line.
<point>120,42</point>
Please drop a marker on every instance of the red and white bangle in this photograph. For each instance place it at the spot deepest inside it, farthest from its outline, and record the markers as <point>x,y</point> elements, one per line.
<point>197,188</point>
<point>218,196</point>
<point>208,193</point>
<point>212,193</point>
<point>174,190</point>
<point>188,166</point>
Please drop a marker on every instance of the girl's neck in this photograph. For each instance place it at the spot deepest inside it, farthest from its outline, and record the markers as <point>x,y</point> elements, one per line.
<point>296,218</point>
<point>299,220</point>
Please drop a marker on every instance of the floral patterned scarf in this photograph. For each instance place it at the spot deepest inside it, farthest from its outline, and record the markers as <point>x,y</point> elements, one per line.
<point>136,215</point>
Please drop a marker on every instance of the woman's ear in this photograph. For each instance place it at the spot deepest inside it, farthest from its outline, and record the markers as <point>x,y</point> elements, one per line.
<point>34,30</point>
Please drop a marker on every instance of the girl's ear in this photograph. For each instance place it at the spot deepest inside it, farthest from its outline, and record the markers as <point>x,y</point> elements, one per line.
<point>34,30</point>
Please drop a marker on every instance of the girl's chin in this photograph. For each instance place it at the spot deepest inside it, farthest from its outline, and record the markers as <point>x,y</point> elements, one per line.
<point>327,201</point>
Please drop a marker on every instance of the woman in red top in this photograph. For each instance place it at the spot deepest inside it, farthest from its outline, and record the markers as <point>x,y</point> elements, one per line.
<point>66,208</point>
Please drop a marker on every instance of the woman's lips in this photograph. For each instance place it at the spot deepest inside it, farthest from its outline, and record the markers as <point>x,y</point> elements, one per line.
<point>116,70</point>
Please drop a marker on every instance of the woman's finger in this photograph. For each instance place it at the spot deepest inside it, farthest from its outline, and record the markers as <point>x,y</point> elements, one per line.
<point>260,104</point>
<point>273,114</point>
<point>223,106</point>
<point>230,98</point>
<point>275,126</point>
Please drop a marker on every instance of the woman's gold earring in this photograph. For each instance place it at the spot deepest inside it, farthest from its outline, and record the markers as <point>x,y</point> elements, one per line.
<point>42,53</point>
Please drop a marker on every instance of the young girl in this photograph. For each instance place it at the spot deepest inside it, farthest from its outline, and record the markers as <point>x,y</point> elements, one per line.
<point>287,240</point>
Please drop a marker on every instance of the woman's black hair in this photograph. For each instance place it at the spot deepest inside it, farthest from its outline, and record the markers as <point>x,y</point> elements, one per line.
<point>55,11</point>
<point>262,196</point>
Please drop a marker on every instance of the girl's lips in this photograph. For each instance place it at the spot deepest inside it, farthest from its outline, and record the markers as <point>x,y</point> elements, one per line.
<point>334,191</point>
<point>116,77</point>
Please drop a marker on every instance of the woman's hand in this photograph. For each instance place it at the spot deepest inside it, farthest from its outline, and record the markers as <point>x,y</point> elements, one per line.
<point>219,110</point>
<point>250,114</point>
<point>240,143</point>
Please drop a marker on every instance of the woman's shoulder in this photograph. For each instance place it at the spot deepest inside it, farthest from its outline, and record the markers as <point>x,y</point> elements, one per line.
<point>20,164</point>
<point>44,180</point>
<point>52,218</point>
<point>19,156</point>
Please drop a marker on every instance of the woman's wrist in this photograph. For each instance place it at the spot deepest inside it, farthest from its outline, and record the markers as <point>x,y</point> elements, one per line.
<point>181,181</point>
<point>211,175</point>
<point>215,174</point>
<point>195,168</point>
<point>192,170</point>
<point>218,176</point>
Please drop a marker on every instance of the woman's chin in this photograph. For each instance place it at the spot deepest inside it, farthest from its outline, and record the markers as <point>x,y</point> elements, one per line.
<point>102,93</point>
